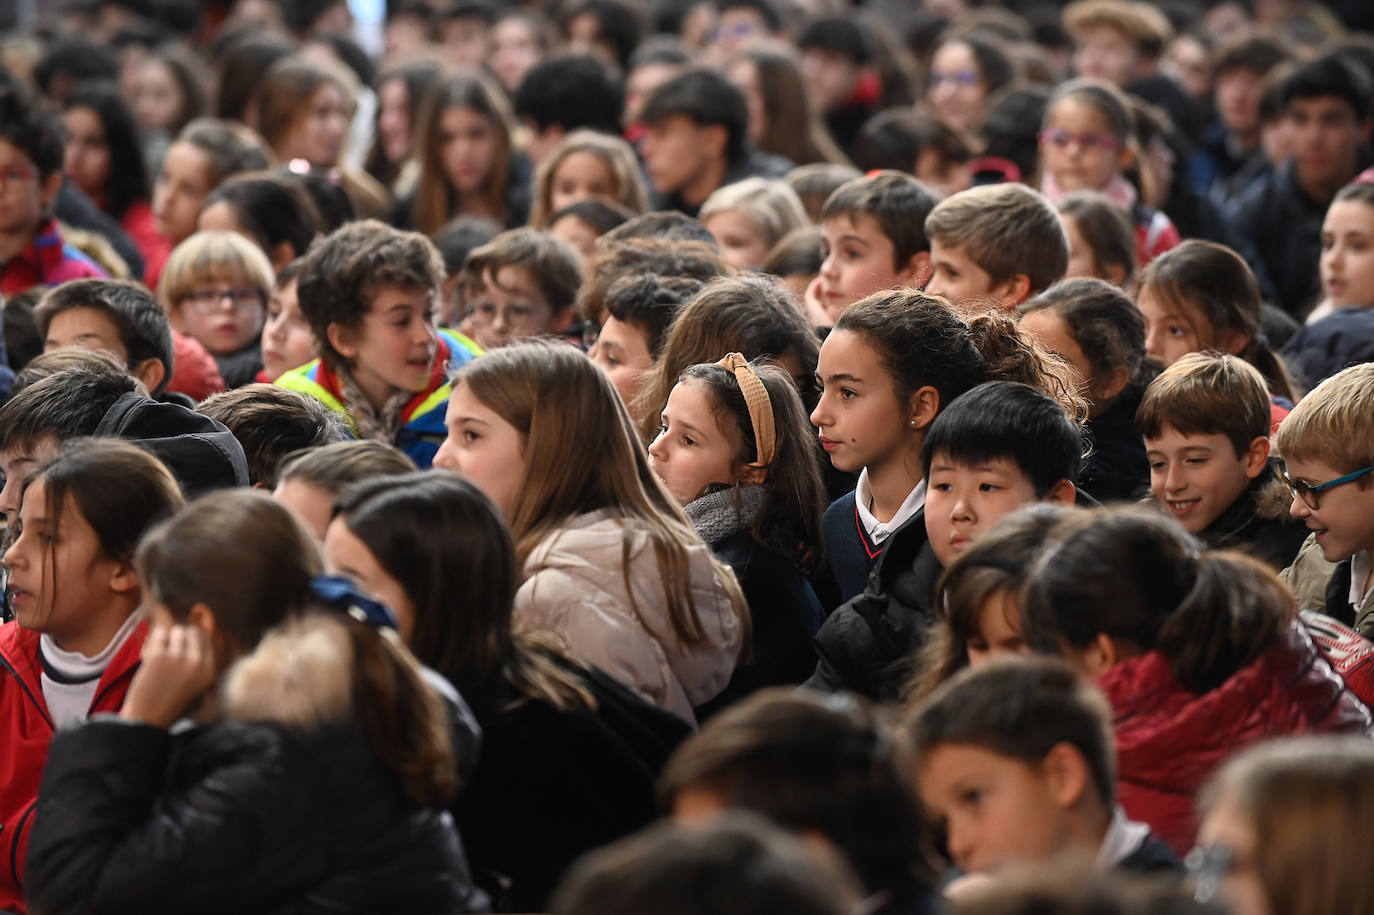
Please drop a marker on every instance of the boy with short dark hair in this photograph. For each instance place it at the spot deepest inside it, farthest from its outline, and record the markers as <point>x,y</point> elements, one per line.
<point>994,449</point>
<point>567,93</point>
<point>271,423</point>
<point>521,284</point>
<point>32,252</point>
<point>118,316</point>
<point>639,312</point>
<point>696,139</point>
<point>1033,739</point>
<point>999,241</point>
<point>1326,444</point>
<point>369,292</point>
<point>874,239</point>
<point>1326,110</point>
<point>1205,421</point>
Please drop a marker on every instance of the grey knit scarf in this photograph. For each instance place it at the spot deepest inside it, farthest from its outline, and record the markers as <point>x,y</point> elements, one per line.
<point>718,515</point>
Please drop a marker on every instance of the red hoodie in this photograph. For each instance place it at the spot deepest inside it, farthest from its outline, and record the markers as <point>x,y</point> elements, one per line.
<point>1169,741</point>
<point>26,731</point>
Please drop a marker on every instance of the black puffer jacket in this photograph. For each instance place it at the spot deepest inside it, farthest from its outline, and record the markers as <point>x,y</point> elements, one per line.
<point>235,817</point>
<point>868,644</point>
<point>1258,523</point>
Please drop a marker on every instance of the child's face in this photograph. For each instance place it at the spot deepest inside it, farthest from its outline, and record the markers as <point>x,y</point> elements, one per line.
<point>182,186</point>
<point>1109,54</point>
<point>25,195</point>
<point>1241,888</point>
<point>1082,261</point>
<point>859,261</point>
<point>86,158</point>
<point>392,349</point>
<point>955,275</point>
<point>742,245</point>
<point>225,314</point>
<point>675,153</point>
<point>468,146</point>
<point>581,236</point>
<point>507,307</point>
<point>1326,138</point>
<point>17,464</point>
<point>1078,148</point>
<point>1344,523</point>
<point>579,176</point>
<point>89,328</point>
<point>830,77</point>
<point>312,504</point>
<point>1053,333</point>
<point>622,352</point>
<point>957,92</point>
<point>997,811</point>
<point>483,447</point>
<point>62,548</point>
<point>1347,261</point>
<point>692,452</point>
<point>963,502</point>
<point>287,341</point>
<point>999,629</point>
<point>1170,333</point>
<point>1238,94</point>
<point>862,421</point>
<point>1197,477</point>
<point>348,556</point>
<point>318,134</point>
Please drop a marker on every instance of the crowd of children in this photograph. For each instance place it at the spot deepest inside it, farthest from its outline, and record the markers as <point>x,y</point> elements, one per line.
<point>712,457</point>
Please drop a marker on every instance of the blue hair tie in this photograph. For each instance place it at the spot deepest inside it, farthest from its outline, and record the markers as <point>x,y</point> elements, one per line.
<point>342,595</point>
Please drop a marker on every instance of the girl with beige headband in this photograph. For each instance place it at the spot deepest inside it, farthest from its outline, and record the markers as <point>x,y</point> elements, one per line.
<point>735,451</point>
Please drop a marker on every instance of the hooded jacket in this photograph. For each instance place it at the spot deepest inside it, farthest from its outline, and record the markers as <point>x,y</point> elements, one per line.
<point>282,807</point>
<point>27,732</point>
<point>422,418</point>
<point>1258,522</point>
<point>598,586</point>
<point>1169,741</point>
<point>200,452</point>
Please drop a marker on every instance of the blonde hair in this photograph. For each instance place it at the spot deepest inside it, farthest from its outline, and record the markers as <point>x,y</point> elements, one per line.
<point>1006,229</point>
<point>582,455</point>
<point>1310,803</point>
<point>208,256</point>
<point>1331,424</point>
<point>613,152</point>
<point>772,206</point>
<point>1146,26</point>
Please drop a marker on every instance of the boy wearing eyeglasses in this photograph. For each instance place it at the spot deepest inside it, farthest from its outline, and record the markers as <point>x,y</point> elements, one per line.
<point>1205,421</point>
<point>1329,449</point>
<point>32,250</point>
<point>521,284</point>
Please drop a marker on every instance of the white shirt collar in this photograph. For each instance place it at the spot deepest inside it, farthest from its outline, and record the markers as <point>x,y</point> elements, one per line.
<point>878,531</point>
<point>1123,837</point>
<point>1361,565</point>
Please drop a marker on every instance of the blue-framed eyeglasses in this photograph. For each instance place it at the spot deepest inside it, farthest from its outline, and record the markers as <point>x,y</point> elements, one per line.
<point>1310,493</point>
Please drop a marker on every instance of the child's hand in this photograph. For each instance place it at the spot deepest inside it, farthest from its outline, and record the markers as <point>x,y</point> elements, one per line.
<point>813,302</point>
<point>178,667</point>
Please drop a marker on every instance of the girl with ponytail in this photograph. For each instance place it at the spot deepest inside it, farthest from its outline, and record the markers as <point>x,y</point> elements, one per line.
<point>1199,652</point>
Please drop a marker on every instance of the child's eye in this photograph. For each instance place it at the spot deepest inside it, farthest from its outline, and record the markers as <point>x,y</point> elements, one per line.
<point>1175,331</point>
<point>846,393</point>
<point>1195,460</point>
<point>989,487</point>
<point>470,436</point>
<point>1156,465</point>
<point>689,441</point>
<point>972,797</point>
<point>941,487</point>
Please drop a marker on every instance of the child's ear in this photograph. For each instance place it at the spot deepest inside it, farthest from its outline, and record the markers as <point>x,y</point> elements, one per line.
<point>1107,388</point>
<point>1012,292</point>
<point>925,404</point>
<point>752,473</point>
<point>342,338</point>
<point>1062,493</point>
<point>150,371</point>
<point>1066,775</point>
<point>124,579</point>
<point>916,272</point>
<point>1124,157</point>
<point>1099,656</point>
<point>1256,456</point>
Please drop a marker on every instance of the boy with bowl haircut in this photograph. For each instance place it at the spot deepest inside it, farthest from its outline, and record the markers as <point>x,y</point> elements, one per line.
<point>874,239</point>
<point>1015,761</point>
<point>1002,242</point>
<point>1329,453</point>
<point>521,284</point>
<point>1205,421</point>
<point>369,292</point>
<point>118,316</point>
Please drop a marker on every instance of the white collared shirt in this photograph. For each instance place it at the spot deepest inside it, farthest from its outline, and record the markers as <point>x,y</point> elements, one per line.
<point>1361,566</point>
<point>1123,837</point>
<point>878,531</point>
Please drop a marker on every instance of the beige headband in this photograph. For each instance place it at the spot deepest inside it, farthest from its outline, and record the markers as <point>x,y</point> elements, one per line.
<point>759,403</point>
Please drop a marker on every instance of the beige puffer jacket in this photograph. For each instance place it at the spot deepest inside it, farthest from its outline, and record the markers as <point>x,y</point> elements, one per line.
<point>575,587</point>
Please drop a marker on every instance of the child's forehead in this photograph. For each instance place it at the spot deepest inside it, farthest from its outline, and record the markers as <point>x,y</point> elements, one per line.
<point>946,461</point>
<point>864,225</point>
<point>509,279</point>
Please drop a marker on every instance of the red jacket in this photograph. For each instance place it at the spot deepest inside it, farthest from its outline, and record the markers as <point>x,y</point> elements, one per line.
<point>25,732</point>
<point>1169,741</point>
